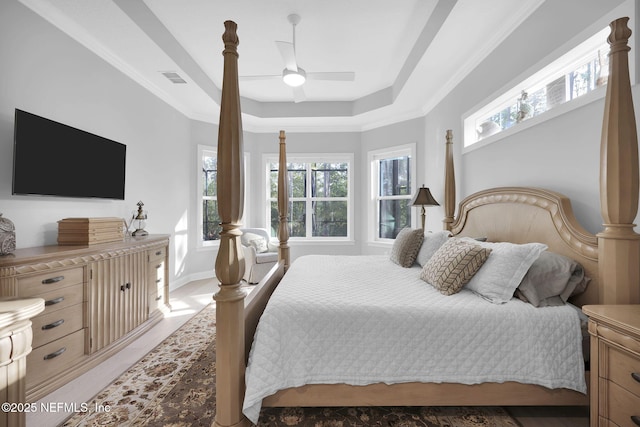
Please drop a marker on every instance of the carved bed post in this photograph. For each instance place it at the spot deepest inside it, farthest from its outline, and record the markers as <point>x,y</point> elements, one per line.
<point>230,260</point>
<point>283,203</point>
<point>618,244</point>
<point>449,183</point>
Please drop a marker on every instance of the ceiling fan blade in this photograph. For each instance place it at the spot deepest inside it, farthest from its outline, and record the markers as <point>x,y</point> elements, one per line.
<point>261,77</point>
<point>346,76</point>
<point>298,94</point>
<point>288,53</point>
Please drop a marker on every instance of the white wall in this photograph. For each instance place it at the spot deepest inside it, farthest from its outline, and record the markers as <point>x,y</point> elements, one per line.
<point>47,73</point>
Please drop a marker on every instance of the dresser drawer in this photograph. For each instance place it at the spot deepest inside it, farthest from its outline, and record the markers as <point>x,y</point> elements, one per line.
<point>53,358</point>
<point>58,299</point>
<point>51,326</point>
<point>622,406</point>
<point>157,255</point>
<point>624,369</point>
<point>154,301</point>
<point>41,283</point>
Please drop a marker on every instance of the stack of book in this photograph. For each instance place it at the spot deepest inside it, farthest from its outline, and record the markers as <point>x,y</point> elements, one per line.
<point>90,231</point>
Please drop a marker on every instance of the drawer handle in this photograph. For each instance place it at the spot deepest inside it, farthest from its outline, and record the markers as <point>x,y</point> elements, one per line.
<point>159,280</point>
<point>52,280</point>
<point>159,253</point>
<point>635,376</point>
<point>635,419</point>
<point>158,266</point>
<point>53,325</point>
<point>55,353</point>
<point>158,298</point>
<point>54,301</point>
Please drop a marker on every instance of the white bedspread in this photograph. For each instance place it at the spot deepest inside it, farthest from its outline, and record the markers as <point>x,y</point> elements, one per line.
<point>362,319</point>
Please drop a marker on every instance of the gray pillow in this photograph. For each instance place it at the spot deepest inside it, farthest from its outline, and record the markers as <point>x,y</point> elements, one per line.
<point>430,244</point>
<point>406,246</point>
<point>551,280</point>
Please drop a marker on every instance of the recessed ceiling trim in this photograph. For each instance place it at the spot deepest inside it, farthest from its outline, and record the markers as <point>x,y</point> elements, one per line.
<point>144,18</point>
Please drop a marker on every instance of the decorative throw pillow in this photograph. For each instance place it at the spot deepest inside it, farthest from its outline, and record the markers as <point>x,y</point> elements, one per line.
<point>453,265</point>
<point>259,244</point>
<point>247,237</point>
<point>504,269</point>
<point>430,244</point>
<point>406,246</point>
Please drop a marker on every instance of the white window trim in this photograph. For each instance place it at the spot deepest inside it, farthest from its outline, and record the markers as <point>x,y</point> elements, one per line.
<point>372,213</point>
<point>202,149</point>
<point>311,158</point>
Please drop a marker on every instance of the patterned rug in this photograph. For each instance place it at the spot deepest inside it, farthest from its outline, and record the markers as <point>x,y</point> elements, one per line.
<point>174,386</point>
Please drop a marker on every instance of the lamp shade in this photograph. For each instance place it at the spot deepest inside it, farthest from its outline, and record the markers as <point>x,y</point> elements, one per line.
<point>424,198</point>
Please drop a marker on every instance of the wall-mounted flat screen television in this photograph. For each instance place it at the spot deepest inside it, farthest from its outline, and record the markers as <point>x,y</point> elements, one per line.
<point>53,159</point>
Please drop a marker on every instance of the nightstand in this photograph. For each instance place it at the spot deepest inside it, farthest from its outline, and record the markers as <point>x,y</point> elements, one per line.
<point>615,364</point>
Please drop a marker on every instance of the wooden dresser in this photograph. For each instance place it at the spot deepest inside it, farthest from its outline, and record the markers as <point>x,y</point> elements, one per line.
<point>615,364</point>
<point>98,299</point>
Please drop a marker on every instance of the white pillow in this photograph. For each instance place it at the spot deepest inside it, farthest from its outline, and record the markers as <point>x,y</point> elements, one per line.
<point>503,271</point>
<point>430,244</point>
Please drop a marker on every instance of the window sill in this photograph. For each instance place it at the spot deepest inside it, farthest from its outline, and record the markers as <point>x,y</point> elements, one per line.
<point>380,244</point>
<point>306,242</point>
<point>210,247</point>
<point>534,121</point>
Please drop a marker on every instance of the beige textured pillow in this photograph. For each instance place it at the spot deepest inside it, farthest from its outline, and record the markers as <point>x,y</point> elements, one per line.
<point>406,246</point>
<point>453,265</point>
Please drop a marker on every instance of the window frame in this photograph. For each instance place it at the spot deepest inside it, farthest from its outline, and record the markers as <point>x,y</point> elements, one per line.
<point>373,216</point>
<point>213,149</point>
<point>307,159</point>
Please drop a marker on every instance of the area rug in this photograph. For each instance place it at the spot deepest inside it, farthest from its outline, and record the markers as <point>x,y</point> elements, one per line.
<point>174,386</point>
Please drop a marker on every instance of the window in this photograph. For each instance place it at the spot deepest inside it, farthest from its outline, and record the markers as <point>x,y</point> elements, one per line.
<point>392,182</point>
<point>207,189</point>
<point>209,220</point>
<point>319,196</point>
<point>580,71</point>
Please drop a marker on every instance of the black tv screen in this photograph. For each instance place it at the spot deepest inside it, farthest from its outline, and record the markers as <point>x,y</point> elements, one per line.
<point>53,159</point>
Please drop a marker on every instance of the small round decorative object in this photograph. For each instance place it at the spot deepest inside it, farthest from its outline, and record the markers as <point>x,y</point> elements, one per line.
<point>7,236</point>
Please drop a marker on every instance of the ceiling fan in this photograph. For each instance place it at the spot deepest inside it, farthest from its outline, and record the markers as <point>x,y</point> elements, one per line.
<point>295,76</point>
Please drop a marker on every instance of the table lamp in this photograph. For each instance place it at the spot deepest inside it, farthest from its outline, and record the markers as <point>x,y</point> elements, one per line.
<point>424,198</point>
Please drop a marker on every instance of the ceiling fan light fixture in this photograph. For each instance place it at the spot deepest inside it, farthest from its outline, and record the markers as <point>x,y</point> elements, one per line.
<point>294,78</point>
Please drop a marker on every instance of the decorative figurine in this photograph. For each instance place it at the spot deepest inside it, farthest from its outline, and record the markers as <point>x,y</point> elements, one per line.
<point>140,221</point>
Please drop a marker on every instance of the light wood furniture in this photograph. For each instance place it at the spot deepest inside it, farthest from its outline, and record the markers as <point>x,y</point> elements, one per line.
<point>98,298</point>
<point>15,345</point>
<point>615,364</point>
<point>512,214</point>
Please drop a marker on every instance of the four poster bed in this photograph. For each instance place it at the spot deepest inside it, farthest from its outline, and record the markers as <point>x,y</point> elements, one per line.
<point>522,216</point>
